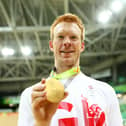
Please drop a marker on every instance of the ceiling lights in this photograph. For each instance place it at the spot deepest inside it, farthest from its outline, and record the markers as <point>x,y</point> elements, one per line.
<point>105,15</point>
<point>7,51</point>
<point>116,6</point>
<point>26,50</point>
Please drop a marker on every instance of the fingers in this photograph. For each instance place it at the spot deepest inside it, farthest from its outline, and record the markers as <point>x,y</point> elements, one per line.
<point>38,92</point>
<point>65,94</point>
<point>43,80</point>
<point>38,87</point>
<point>38,102</point>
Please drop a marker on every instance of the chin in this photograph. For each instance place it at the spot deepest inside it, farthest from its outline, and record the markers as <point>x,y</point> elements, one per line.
<point>68,62</point>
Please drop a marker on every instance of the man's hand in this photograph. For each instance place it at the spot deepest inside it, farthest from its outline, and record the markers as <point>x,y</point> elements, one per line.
<point>42,109</point>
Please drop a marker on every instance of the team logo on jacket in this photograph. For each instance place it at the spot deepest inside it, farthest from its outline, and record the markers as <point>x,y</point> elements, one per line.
<point>93,114</point>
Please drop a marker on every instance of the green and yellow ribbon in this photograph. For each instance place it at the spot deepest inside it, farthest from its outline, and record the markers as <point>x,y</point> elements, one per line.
<point>66,74</point>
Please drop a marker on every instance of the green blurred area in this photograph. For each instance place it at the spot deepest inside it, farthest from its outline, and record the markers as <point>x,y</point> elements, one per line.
<point>123,110</point>
<point>123,113</point>
<point>120,88</point>
<point>9,100</point>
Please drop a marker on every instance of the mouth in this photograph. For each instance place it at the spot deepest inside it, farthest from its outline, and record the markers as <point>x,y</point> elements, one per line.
<point>67,54</point>
<point>66,51</point>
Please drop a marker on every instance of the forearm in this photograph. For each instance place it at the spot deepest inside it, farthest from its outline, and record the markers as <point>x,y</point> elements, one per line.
<point>42,123</point>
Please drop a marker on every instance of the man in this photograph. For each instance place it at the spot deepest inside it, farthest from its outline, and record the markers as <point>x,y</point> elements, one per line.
<point>87,102</point>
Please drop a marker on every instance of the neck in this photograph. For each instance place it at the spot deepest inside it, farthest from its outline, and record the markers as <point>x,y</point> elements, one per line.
<point>63,69</point>
<point>66,74</point>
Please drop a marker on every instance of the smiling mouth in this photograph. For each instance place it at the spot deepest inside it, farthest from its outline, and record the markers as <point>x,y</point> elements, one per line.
<point>66,51</point>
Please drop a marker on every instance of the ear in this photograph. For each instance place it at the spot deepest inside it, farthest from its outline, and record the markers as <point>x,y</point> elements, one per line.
<point>51,45</point>
<point>82,46</point>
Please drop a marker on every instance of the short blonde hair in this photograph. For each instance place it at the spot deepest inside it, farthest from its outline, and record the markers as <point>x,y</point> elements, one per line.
<point>68,17</point>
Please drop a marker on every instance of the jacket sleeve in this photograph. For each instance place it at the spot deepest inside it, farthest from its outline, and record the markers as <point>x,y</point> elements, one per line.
<point>25,117</point>
<point>114,114</point>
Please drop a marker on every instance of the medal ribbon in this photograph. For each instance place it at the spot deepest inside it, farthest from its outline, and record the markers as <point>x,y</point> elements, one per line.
<point>65,74</point>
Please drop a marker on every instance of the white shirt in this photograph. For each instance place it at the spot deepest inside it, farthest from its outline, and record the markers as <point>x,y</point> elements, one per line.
<point>90,103</point>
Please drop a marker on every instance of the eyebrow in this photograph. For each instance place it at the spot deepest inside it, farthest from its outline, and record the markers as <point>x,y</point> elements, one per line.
<point>73,33</point>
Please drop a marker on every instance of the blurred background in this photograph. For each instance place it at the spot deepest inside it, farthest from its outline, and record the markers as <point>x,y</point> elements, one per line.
<point>25,56</point>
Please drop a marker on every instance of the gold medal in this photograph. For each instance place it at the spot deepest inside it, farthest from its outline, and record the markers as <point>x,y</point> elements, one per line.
<point>55,90</point>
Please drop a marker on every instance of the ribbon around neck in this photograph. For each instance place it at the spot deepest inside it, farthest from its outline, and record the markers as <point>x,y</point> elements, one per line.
<point>65,74</point>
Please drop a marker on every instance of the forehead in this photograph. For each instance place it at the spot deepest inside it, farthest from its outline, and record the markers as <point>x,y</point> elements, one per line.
<point>67,27</point>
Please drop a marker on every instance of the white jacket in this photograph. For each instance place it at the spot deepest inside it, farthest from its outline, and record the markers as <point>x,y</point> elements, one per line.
<point>90,103</point>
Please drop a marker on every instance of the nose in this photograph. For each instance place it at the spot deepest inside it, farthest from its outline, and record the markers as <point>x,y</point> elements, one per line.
<point>67,42</point>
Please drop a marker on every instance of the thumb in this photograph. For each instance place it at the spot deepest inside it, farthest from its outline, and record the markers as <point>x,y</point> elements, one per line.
<point>43,80</point>
<point>65,94</point>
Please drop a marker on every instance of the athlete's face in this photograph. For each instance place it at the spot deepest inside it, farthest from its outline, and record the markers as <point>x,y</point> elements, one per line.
<point>67,44</point>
